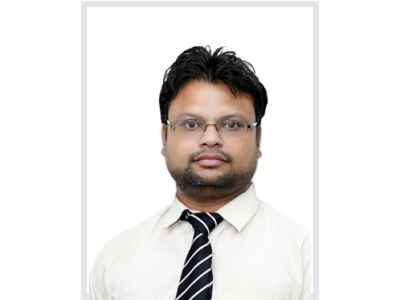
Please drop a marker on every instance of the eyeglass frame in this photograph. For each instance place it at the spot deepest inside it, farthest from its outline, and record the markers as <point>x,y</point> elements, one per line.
<point>204,127</point>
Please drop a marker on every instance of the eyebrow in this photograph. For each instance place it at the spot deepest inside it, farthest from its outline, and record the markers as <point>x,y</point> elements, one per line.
<point>237,115</point>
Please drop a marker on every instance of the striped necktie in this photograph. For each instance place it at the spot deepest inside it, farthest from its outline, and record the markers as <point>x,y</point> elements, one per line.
<point>197,279</point>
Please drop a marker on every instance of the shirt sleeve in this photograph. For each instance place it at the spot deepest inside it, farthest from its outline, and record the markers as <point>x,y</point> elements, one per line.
<point>307,268</point>
<point>97,280</point>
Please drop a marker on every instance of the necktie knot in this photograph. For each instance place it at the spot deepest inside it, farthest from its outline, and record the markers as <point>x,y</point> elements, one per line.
<point>203,222</point>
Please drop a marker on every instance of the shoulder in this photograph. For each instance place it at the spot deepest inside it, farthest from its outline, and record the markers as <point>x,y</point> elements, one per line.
<point>282,225</point>
<point>127,240</point>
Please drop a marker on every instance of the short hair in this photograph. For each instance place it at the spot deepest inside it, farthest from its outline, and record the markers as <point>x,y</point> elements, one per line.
<point>199,63</point>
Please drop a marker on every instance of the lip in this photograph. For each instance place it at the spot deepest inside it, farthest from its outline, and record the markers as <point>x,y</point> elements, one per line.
<point>211,157</point>
<point>210,160</point>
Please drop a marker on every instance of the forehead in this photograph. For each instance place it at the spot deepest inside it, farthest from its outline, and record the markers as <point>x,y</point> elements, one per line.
<point>210,101</point>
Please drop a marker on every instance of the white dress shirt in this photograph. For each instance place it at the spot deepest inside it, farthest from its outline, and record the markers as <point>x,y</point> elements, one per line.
<point>258,254</point>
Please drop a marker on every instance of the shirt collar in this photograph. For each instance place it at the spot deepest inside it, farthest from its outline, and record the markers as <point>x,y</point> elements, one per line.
<point>237,212</point>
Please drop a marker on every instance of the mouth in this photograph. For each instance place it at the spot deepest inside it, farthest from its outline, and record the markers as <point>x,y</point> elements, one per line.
<point>209,162</point>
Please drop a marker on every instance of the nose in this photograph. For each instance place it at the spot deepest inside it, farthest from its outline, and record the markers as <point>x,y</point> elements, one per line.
<point>211,136</point>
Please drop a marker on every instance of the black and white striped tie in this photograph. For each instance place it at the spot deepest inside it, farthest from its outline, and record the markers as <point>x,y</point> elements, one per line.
<point>197,279</point>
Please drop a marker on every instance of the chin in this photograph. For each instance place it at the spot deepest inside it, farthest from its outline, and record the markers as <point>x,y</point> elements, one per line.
<point>210,173</point>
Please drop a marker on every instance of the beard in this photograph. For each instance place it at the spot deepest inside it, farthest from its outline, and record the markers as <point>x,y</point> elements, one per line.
<point>208,188</point>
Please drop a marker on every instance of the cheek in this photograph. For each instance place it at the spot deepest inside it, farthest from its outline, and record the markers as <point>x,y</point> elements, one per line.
<point>243,153</point>
<point>179,152</point>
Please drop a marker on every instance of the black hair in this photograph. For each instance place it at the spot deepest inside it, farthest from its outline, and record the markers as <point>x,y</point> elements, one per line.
<point>199,63</point>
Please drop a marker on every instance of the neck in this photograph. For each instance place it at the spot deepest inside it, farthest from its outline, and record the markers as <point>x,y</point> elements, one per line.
<point>210,205</point>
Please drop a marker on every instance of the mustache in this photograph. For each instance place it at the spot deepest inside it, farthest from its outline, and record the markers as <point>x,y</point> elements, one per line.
<point>196,155</point>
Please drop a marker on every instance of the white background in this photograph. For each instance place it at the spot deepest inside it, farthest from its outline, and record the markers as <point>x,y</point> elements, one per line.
<point>40,149</point>
<point>127,177</point>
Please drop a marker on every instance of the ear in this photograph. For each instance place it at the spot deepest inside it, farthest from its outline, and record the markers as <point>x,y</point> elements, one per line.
<point>163,138</point>
<point>258,141</point>
<point>258,136</point>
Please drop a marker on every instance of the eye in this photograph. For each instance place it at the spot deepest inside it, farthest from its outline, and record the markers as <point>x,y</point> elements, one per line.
<point>190,124</point>
<point>232,124</point>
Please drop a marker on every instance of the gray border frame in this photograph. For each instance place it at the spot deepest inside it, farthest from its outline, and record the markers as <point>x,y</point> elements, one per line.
<point>313,4</point>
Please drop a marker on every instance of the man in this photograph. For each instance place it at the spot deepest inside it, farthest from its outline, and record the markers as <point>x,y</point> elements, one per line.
<point>216,240</point>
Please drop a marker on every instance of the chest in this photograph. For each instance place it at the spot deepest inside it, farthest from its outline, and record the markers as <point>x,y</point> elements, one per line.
<point>242,269</point>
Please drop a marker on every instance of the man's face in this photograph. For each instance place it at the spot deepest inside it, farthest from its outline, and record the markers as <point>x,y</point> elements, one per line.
<point>239,152</point>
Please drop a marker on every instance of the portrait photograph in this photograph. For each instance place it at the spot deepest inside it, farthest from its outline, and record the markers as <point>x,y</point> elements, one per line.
<point>199,151</point>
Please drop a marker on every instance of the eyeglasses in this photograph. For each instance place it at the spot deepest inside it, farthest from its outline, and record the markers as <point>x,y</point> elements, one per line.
<point>196,127</point>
